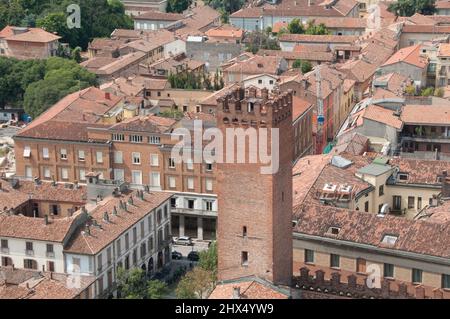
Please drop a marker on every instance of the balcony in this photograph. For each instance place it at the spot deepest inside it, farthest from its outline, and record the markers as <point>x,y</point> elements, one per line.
<point>29,252</point>
<point>427,138</point>
<point>50,254</point>
<point>5,250</point>
<point>194,212</point>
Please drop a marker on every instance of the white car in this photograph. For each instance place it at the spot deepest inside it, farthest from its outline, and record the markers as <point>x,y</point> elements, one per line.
<point>183,240</point>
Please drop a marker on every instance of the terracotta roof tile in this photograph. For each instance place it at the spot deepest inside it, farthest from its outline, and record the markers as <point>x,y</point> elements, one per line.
<point>419,237</point>
<point>28,35</point>
<point>98,239</point>
<point>411,55</point>
<point>426,114</point>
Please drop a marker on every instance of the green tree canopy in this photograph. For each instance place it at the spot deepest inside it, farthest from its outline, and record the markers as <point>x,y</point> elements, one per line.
<point>133,284</point>
<point>61,78</point>
<point>178,6</point>
<point>409,7</point>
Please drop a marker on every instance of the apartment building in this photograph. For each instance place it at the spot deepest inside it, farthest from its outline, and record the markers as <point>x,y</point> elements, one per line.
<point>346,243</point>
<point>425,134</point>
<point>28,43</point>
<point>115,228</point>
<point>260,18</point>
<point>402,187</point>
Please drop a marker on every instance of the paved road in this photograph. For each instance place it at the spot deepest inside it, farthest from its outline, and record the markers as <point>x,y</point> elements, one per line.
<point>185,250</point>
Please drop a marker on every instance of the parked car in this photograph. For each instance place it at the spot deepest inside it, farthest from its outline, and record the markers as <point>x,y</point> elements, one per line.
<point>176,255</point>
<point>194,256</point>
<point>187,241</point>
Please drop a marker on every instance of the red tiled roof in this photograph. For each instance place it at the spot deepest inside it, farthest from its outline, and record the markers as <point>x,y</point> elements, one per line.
<point>299,107</point>
<point>28,35</point>
<point>149,124</point>
<point>426,114</point>
<point>410,55</point>
<point>98,239</point>
<point>318,38</point>
<point>248,289</point>
<point>414,236</point>
<point>159,16</point>
<point>380,114</point>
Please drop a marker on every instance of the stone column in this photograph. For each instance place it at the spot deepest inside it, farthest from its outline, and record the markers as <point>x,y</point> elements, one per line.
<point>181,226</point>
<point>200,228</point>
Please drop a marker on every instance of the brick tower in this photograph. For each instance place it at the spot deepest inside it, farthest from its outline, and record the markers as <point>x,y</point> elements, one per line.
<point>255,210</point>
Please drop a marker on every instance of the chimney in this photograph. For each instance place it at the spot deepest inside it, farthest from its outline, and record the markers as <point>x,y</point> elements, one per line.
<point>115,211</point>
<point>106,217</point>
<point>236,293</point>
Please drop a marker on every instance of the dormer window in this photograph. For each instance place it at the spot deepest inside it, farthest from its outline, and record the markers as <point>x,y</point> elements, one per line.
<point>250,107</point>
<point>260,65</point>
<point>389,239</point>
<point>333,230</point>
<point>403,176</point>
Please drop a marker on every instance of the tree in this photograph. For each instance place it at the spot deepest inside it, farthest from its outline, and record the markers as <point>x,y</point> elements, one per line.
<point>133,284</point>
<point>427,91</point>
<point>76,55</point>
<point>225,7</point>
<point>439,92</point>
<point>208,260</point>
<point>61,78</point>
<point>306,67</point>
<point>197,284</point>
<point>261,41</point>
<point>295,27</point>
<point>409,7</point>
<point>410,90</point>
<point>178,6</point>
<point>297,64</point>
<point>156,289</point>
<point>316,29</point>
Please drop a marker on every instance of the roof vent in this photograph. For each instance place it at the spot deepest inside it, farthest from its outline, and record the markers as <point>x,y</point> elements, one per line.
<point>333,230</point>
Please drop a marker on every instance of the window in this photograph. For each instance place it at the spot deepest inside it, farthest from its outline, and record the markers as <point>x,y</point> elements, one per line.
<point>416,276</point>
<point>173,202</point>
<point>45,153</point>
<point>366,207</point>
<point>76,264</point>
<point>154,160</point>
<point>28,172</point>
<point>419,203</point>
<point>155,179</point>
<point>209,167</point>
<point>29,264</point>
<point>172,182</point>
<point>244,231</point>
<point>171,162</point>
<point>63,154</point>
<point>50,250</point>
<point>27,152</point>
<point>136,138</point>
<point>127,241</point>
<point>445,281</point>
<point>118,157</point>
<point>136,177</point>
<point>209,205</point>
<point>191,203</point>
<point>134,235</point>
<point>190,183</point>
<point>6,261</point>
<point>119,249</point>
<point>403,177</point>
<point>388,271</point>
<point>360,265</point>
<point>209,185</point>
<point>334,261</point>
<point>381,190</point>
<point>154,140</point>
<point>142,229</point>
<point>4,246</point>
<point>64,173</point>
<point>118,137</point>
<point>47,172</point>
<point>309,256</point>
<point>119,174</point>
<point>51,266</point>
<point>411,201</point>
<point>333,230</point>
<point>81,156</point>
<point>397,203</point>
<point>389,239</point>
<point>244,258</point>
<point>99,157</point>
<point>190,164</point>
<point>136,158</point>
